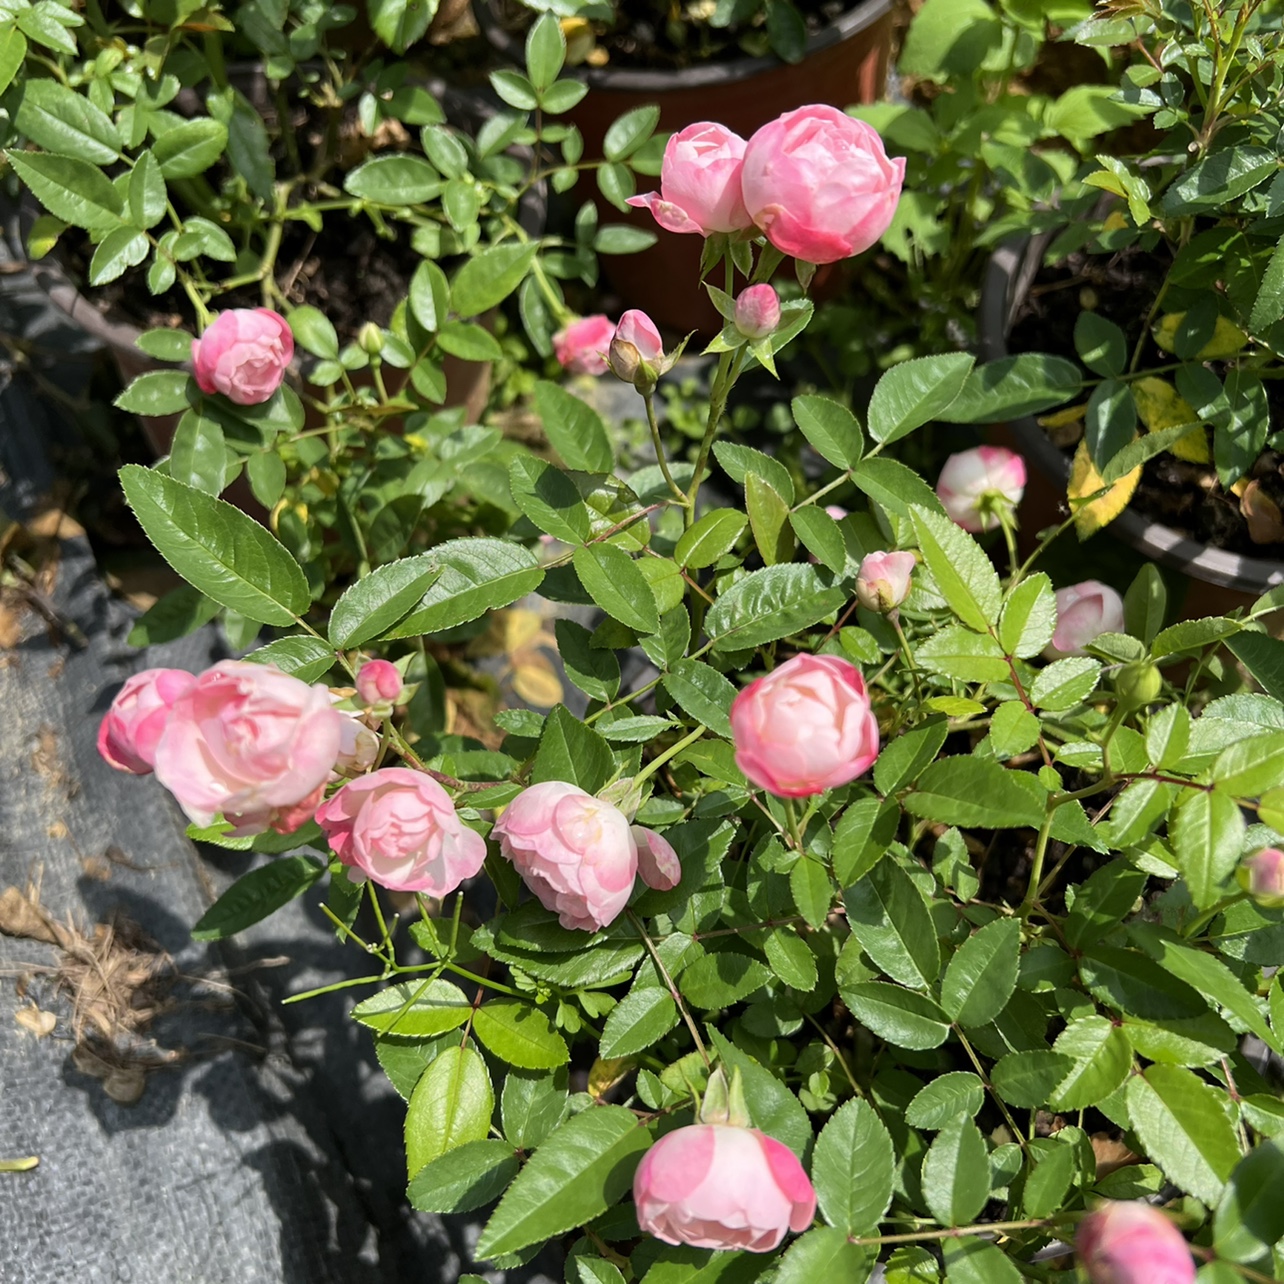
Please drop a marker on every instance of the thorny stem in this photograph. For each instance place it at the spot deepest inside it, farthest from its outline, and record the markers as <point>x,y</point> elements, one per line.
<point>956,1232</point>
<point>668,981</point>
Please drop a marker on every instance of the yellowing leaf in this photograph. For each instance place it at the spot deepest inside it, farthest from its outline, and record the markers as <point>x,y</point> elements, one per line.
<point>537,682</point>
<point>1090,514</point>
<point>1160,405</point>
<point>1227,338</point>
<point>1114,222</point>
<point>1064,418</point>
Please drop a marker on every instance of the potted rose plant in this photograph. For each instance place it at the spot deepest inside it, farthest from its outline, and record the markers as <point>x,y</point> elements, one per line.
<point>914,914</point>
<point>1174,280</point>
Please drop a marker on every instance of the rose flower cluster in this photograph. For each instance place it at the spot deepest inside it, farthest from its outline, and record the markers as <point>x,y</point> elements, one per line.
<point>816,183</point>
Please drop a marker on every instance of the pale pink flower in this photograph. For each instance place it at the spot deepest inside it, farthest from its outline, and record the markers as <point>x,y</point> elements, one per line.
<point>128,735</point>
<point>883,581</point>
<point>581,347</point>
<point>244,354</point>
<point>757,311</point>
<point>358,745</point>
<point>399,828</point>
<point>1130,1242</point>
<point>805,728</point>
<point>1262,875</point>
<point>699,182</point>
<point>574,851</point>
<point>251,742</point>
<point>378,682</point>
<point>636,354</point>
<point>820,185</point>
<point>977,486</point>
<point>1084,612</point>
<point>658,864</point>
<point>722,1187</point>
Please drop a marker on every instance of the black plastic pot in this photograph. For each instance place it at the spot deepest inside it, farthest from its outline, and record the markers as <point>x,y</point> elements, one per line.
<point>1220,580</point>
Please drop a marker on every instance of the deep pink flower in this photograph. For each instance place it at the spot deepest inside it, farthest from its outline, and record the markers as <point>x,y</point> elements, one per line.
<point>243,354</point>
<point>400,828</point>
<point>378,681</point>
<point>699,182</point>
<point>574,851</point>
<point>1129,1242</point>
<point>976,486</point>
<point>636,354</point>
<point>720,1186</point>
<point>805,728</point>
<point>1085,611</point>
<point>251,742</point>
<point>820,185</point>
<point>128,735</point>
<point>581,347</point>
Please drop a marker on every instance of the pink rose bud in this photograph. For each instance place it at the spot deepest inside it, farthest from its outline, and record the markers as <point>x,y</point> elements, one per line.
<point>574,851</point>
<point>244,355</point>
<point>883,582</point>
<point>378,681</point>
<point>700,182</point>
<point>820,185</point>
<point>637,351</point>
<point>128,735</point>
<point>805,728</point>
<point>836,511</point>
<point>979,487</point>
<point>719,1186</point>
<point>582,346</point>
<point>399,828</point>
<point>1262,877</point>
<point>757,311</point>
<point>1085,611</point>
<point>658,864</point>
<point>251,742</point>
<point>1129,1242</point>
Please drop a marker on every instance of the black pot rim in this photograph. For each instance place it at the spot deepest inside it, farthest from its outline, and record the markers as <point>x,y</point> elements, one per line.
<point>1010,272</point>
<point>627,80</point>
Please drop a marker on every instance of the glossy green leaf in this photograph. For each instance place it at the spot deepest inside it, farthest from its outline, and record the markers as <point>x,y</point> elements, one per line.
<point>833,431</point>
<point>888,916</point>
<point>897,488</point>
<point>218,549</point>
<point>464,1178</point>
<point>946,1096</point>
<point>574,428</point>
<point>73,190</point>
<point>486,280</point>
<point>712,536</point>
<point>1207,835</point>
<point>1250,1215</point>
<point>963,572</point>
<point>950,1185</point>
<point>977,793</point>
<point>1029,1079</point>
<point>1102,1058</point>
<point>852,1169</point>
<point>617,586</point>
<point>378,600</point>
<point>66,123</point>
<point>902,1017</point>
<point>1029,618</point>
<point>982,974</point>
<point>191,148</point>
<point>451,1105</point>
<point>770,604</point>
<point>415,1009</point>
<point>641,1018</point>
<point>721,979</point>
<point>823,1254</point>
<point>1001,391</point>
<point>914,392</point>
<point>520,1034</point>
<point>256,895</point>
<point>702,693</point>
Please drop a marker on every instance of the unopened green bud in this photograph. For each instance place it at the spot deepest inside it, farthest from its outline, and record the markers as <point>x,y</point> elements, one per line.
<point>370,339</point>
<point>1138,684</point>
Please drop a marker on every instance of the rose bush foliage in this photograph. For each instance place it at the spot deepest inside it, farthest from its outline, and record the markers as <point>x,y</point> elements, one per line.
<point>964,936</point>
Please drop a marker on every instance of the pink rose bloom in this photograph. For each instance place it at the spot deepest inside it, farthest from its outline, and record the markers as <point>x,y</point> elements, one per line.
<point>358,745</point>
<point>1129,1242</point>
<point>978,485</point>
<point>883,581</point>
<point>243,354</point>
<point>251,742</point>
<point>658,863</point>
<point>128,735</point>
<point>579,855</point>
<point>378,681</point>
<point>719,1186</point>
<point>399,828</point>
<point>1262,875</point>
<point>805,728</point>
<point>699,182</point>
<point>1085,611</point>
<point>820,185</point>
<point>757,311</point>
<point>582,346</point>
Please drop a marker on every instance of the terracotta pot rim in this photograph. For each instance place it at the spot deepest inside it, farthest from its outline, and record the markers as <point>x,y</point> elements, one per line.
<point>1008,277</point>
<point>636,81</point>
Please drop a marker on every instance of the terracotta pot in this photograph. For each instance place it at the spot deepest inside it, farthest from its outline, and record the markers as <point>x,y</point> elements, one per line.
<point>845,63</point>
<point>1218,580</point>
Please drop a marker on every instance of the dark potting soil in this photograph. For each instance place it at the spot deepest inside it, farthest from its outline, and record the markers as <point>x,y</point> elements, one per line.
<point>655,35</point>
<point>1122,287</point>
<point>346,271</point>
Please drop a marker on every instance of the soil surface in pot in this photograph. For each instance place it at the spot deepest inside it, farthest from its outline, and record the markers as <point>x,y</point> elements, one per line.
<point>1185,496</point>
<point>347,271</point>
<point>653,35</point>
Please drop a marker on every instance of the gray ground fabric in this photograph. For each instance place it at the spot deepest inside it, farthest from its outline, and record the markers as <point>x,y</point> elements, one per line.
<point>270,1152</point>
